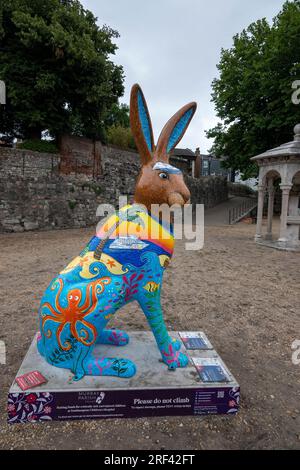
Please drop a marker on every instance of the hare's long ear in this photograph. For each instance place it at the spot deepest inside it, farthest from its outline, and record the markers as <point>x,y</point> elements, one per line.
<point>174,130</point>
<point>140,124</point>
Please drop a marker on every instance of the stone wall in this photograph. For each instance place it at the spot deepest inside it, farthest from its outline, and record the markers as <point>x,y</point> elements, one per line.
<point>207,190</point>
<point>34,194</point>
<point>80,155</point>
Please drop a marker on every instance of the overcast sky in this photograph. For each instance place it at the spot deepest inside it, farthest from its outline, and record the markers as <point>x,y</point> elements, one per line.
<point>171,48</point>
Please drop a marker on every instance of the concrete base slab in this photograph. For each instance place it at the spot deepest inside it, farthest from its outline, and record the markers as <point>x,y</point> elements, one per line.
<point>278,245</point>
<point>153,391</point>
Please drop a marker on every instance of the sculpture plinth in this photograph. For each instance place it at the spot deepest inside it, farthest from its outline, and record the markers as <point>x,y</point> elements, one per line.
<point>153,391</point>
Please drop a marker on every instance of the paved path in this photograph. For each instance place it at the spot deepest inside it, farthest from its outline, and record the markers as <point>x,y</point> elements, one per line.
<point>218,215</point>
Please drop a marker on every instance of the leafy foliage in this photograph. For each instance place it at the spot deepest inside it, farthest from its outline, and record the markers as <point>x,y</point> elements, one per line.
<point>72,204</point>
<point>118,116</point>
<point>252,95</point>
<point>56,64</point>
<point>118,127</point>
<point>120,137</point>
<point>239,189</point>
<point>39,145</point>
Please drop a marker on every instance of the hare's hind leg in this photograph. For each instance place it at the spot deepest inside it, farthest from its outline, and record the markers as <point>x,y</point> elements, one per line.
<point>114,366</point>
<point>95,364</point>
<point>114,337</point>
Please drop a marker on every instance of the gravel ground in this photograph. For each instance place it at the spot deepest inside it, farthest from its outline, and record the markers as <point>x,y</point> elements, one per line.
<point>245,297</point>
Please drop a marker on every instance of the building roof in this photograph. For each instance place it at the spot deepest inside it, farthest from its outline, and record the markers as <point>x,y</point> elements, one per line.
<point>188,153</point>
<point>285,150</point>
<point>206,157</point>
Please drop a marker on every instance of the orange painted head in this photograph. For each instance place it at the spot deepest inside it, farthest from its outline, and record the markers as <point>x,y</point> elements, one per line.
<point>74,298</point>
<point>158,181</point>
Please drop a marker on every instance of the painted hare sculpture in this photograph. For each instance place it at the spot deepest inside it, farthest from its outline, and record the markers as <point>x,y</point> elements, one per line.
<point>122,263</point>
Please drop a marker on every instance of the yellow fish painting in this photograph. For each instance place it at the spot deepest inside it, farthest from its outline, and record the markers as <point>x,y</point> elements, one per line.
<point>151,286</point>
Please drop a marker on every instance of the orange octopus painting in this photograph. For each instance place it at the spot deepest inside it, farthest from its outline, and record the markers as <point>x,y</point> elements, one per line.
<point>74,314</point>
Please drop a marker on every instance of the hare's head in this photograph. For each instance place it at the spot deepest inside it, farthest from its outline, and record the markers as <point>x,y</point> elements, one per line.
<point>158,182</point>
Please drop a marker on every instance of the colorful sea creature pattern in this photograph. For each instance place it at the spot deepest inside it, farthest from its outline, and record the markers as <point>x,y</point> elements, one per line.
<point>73,314</point>
<point>81,300</point>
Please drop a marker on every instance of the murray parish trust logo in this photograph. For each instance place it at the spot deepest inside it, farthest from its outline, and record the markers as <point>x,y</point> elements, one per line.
<point>100,398</point>
<point>91,397</point>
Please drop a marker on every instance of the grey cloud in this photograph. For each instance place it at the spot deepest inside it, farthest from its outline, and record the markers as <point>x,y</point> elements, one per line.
<point>171,48</point>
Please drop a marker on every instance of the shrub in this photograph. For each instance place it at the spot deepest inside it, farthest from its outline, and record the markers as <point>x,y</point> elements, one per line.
<point>94,187</point>
<point>72,204</point>
<point>120,137</point>
<point>240,189</point>
<point>46,146</point>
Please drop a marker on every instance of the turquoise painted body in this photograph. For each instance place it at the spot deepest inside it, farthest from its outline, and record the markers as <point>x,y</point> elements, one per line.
<point>79,303</point>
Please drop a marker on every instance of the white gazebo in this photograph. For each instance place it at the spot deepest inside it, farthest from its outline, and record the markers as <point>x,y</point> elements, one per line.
<point>280,163</point>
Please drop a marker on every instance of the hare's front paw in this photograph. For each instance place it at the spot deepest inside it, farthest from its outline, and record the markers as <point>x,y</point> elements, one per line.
<point>182,360</point>
<point>174,358</point>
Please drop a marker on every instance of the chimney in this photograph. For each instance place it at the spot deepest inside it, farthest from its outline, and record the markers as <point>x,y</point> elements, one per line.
<point>197,164</point>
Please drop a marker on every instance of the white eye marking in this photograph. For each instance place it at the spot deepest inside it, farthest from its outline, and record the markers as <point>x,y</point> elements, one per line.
<point>163,175</point>
<point>167,168</point>
<point>76,297</point>
<point>70,297</point>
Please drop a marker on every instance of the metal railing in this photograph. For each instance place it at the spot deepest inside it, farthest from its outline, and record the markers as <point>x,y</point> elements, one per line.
<point>235,214</point>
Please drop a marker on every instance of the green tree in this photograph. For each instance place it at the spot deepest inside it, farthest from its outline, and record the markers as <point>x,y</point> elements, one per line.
<point>120,137</point>
<point>252,95</point>
<point>118,115</point>
<point>56,64</point>
<point>118,127</point>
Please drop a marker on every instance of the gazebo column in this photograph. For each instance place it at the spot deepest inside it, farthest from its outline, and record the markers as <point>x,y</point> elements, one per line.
<point>292,230</point>
<point>260,207</point>
<point>270,209</point>
<point>285,188</point>
<point>282,161</point>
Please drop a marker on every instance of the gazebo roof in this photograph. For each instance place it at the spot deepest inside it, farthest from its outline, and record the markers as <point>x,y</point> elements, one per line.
<point>286,150</point>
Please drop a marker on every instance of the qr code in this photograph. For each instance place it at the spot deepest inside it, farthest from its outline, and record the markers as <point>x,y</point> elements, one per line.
<point>221,394</point>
